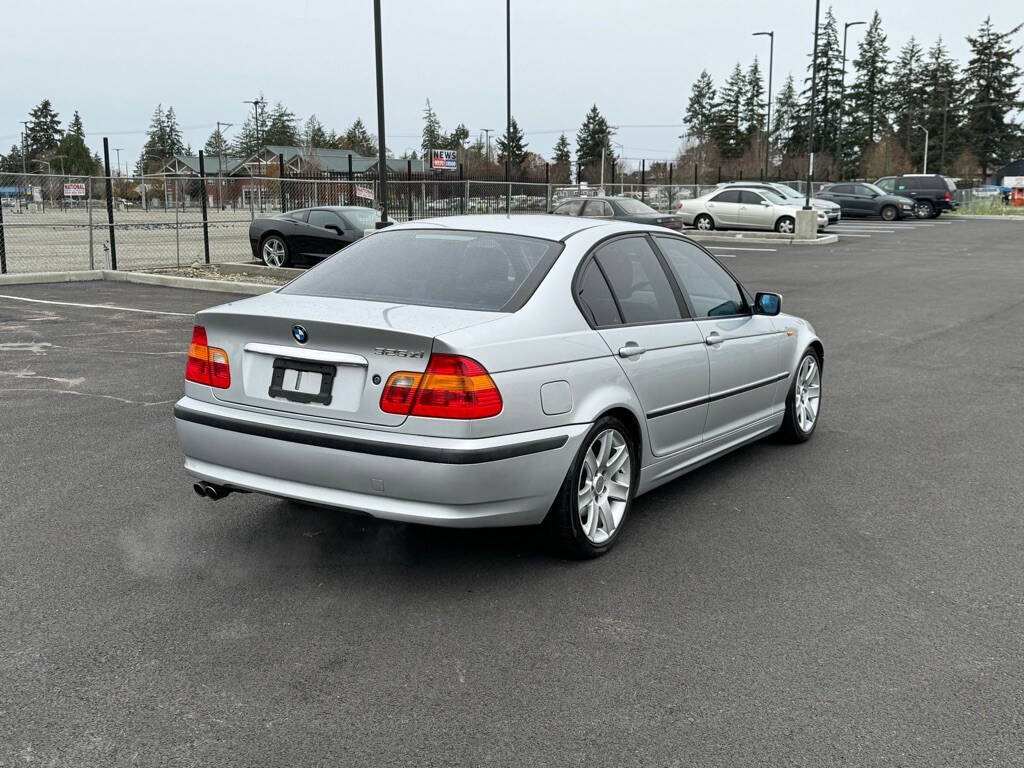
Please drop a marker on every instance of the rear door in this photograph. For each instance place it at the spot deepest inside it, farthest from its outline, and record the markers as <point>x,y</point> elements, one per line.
<point>627,296</point>
<point>725,207</point>
<point>744,349</point>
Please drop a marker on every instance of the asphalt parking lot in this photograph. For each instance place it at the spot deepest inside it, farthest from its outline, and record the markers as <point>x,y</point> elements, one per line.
<point>858,600</point>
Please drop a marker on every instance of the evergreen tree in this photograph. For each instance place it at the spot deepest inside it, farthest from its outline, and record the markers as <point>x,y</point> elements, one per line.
<point>457,139</point>
<point>700,108</point>
<point>593,136</point>
<point>753,100</point>
<point>789,129</point>
<point>281,129</point>
<point>251,137</point>
<point>941,111</point>
<point>174,145</point>
<point>992,78</point>
<point>313,133</point>
<point>74,157</point>
<point>75,127</point>
<point>829,84</point>
<point>11,162</point>
<point>358,140</point>
<point>868,104</point>
<point>433,138</point>
<point>514,148</point>
<point>216,144</point>
<point>43,132</point>
<point>908,97</point>
<point>727,129</point>
<point>562,160</point>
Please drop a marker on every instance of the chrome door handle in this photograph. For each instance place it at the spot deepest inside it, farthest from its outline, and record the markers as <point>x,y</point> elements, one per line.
<point>714,338</point>
<point>631,350</point>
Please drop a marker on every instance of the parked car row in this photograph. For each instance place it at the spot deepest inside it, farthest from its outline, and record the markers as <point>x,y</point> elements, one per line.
<point>746,207</point>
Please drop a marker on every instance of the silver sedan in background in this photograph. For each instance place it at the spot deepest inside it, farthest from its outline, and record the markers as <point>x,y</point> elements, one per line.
<point>744,208</point>
<point>488,371</point>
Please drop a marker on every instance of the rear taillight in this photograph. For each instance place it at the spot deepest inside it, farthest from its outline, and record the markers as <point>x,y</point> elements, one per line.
<point>948,197</point>
<point>672,223</point>
<point>207,365</point>
<point>452,387</point>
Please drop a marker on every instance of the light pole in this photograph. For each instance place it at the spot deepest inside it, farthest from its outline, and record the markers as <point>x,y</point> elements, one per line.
<point>487,143</point>
<point>814,98</point>
<point>768,119</point>
<point>508,105</point>
<point>842,96</point>
<point>49,181</point>
<point>220,161</point>
<point>256,104</point>
<point>118,150</point>
<point>925,168</point>
<point>382,165</point>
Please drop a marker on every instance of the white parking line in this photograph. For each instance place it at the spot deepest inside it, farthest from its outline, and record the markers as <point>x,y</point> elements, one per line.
<point>730,248</point>
<point>862,229</point>
<point>848,234</point>
<point>98,306</point>
<point>725,255</point>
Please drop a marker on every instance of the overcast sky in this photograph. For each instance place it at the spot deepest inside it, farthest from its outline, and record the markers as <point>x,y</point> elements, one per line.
<point>636,59</point>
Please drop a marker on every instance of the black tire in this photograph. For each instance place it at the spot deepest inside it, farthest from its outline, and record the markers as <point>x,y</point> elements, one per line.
<point>923,209</point>
<point>709,223</point>
<point>936,214</point>
<point>563,526</point>
<point>791,430</point>
<point>783,223</point>
<point>889,213</point>
<point>285,258</point>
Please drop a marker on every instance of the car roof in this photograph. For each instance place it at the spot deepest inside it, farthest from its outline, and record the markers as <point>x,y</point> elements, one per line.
<point>539,225</point>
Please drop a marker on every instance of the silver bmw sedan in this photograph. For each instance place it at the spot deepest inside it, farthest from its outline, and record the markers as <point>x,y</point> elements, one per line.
<point>489,371</point>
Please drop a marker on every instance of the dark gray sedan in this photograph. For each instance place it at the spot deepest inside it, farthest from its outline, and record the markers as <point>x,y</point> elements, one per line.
<point>308,234</point>
<point>618,208</point>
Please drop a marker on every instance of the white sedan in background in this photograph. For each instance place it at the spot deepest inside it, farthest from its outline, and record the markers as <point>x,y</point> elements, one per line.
<point>740,208</point>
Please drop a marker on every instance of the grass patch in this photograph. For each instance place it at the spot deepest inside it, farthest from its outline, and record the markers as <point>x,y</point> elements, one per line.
<point>991,206</point>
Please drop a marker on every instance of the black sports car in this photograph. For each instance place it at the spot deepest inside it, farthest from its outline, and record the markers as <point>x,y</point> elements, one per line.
<point>619,208</point>
<point>308,234</point>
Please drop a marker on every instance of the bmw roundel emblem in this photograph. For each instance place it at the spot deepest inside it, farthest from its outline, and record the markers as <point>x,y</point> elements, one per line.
<point>299,334</point>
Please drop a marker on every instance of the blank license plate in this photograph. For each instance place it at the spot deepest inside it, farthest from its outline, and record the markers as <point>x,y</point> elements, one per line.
<point>302,382</point>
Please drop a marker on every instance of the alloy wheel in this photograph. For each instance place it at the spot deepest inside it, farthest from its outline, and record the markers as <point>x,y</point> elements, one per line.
<point>807,394</point>
<point>786,226</point>
<point>704,223</point>
<point>273,252</point>
<point>603,487</point>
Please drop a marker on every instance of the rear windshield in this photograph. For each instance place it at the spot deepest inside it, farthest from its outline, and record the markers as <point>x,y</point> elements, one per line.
<point>438,268</point>
<point>634,207</point>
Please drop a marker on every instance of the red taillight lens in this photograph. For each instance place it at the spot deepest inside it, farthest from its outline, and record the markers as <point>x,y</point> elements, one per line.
<point>452,387</point>
<point>948,196</point>
<point>207,365</point>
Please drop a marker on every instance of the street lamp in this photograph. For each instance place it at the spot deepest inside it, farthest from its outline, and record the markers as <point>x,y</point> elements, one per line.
<point>256,104</point>
<point>768,119</point>
<point>842,96</point>
<point>508,104</point>
<point>49,182</point>
<point>814,98</point>
<point>220,161</point>
<point>382,160</point>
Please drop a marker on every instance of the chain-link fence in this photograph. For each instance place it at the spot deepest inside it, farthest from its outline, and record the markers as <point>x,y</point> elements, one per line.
<point>57,223</point>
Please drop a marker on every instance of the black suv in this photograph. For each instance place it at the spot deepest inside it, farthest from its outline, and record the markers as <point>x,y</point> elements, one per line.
<point>932,194</point>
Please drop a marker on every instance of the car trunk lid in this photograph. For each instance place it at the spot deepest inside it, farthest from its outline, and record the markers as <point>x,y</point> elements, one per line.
<point>347,344</point>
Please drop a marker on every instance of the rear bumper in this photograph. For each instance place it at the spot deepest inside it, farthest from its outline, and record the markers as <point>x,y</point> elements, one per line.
<point>507,480</point>
<point>254,244</point>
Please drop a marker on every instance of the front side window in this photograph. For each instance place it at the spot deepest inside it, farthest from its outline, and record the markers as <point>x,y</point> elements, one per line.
<point>750,198</point>
<point>453,268</point>
<point>864,189</point>
<point>321,219</point>
<point>711,289</point>
<point>571,208</point>
<point>640,285</point>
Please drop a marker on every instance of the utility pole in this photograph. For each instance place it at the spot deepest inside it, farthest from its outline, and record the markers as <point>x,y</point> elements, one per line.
<point>768,120</point>
<point>382,165</point>
<point>118,151</point>
<point>945,114</point>
<point>925,168</point>
<point>508,105</point>
<point>220,162</point>
<point>487,143</point>
<point>24,155</point>
<point>842,102</point>
<point>256,104</point>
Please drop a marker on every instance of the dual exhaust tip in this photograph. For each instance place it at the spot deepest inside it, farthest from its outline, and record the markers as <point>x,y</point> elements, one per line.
<point>211,491</point>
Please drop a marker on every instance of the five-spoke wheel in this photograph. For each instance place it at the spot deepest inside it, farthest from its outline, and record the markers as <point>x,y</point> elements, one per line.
<point>274,251</point>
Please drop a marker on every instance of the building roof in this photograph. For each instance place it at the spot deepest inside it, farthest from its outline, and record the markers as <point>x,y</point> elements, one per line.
<point>211,163</point>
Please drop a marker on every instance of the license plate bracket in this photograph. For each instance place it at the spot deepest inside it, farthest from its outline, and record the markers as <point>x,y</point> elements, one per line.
<point>325,371</point>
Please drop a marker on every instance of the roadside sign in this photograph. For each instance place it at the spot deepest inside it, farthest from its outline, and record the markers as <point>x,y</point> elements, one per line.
<point>365,192</point>
<point>444,160</point>
<point>74,189</point>
<point>1013,181</point>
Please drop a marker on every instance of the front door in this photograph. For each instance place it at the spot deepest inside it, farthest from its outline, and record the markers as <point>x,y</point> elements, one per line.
<point>744,349</point>
<point>322,240</point>
<point>628,297</point>
<point>754,214</point>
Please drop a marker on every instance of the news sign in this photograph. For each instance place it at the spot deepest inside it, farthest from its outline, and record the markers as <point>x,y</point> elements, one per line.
<point>444,160</point>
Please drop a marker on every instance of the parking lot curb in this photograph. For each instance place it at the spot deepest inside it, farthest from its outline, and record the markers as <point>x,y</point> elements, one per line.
<point>985,217</point>
<point>252,267</point>
<point>31,278</point>
<point>192,283</point>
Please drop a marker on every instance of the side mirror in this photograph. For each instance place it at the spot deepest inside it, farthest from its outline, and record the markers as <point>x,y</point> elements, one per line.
<point>334,228</point>
<point>766,204</point>
<point>768,303</point>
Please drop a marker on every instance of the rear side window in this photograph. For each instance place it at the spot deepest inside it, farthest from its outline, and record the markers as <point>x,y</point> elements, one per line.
<point>439,268</point>
<point>729,196</point>
<point>596,298</point>
<point>640,285</point>
<point>299,215</point>
<point>598,208</point>
<point>841,189</point>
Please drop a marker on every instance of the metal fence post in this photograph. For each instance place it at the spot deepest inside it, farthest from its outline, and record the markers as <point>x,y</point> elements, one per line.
<point>88,208</point>
<point>408,185</point>
<point>643,179</point>
<point>280,176</point>
<point>3,246</point>
<point>177,223</point>
<point>110,203</point>
<point>465,198</point>
<point>670,186</point>
<point>206,224</point>
<point>547,186</point>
